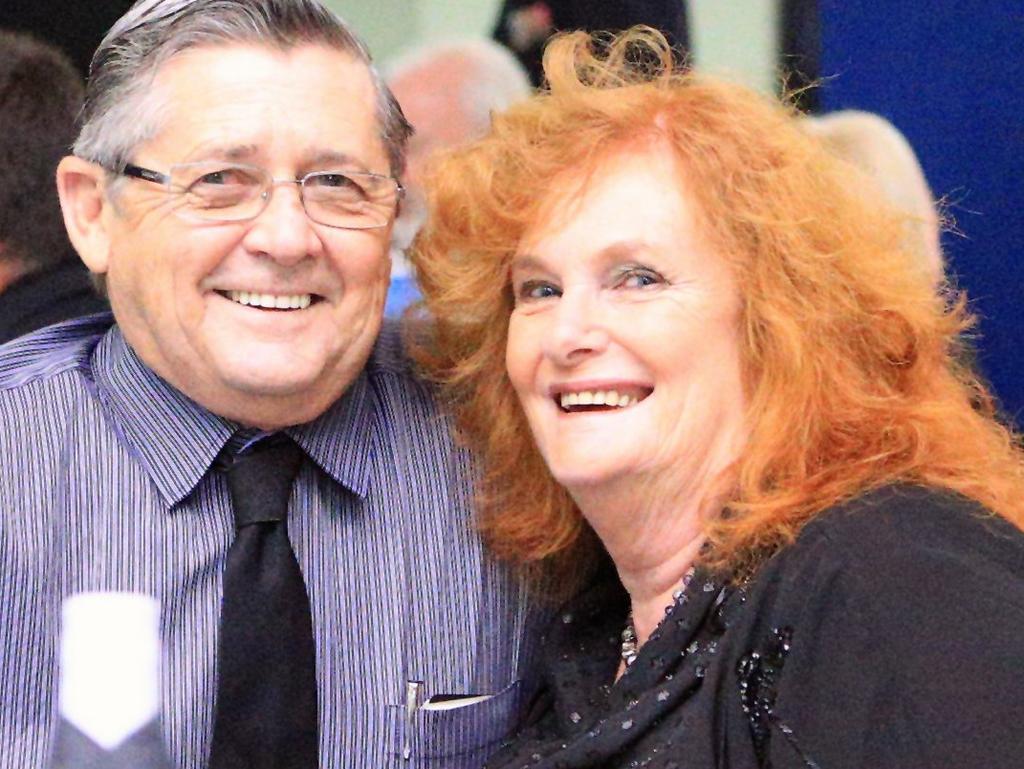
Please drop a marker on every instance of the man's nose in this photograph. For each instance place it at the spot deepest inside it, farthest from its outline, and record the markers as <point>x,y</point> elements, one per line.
<point>578,329</point>
<point>283,230</point>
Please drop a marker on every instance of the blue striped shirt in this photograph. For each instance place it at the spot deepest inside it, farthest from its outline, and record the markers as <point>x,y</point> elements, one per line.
<point>108,484</point>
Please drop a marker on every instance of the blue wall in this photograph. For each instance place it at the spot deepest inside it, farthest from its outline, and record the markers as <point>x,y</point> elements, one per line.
<point>950,75</point>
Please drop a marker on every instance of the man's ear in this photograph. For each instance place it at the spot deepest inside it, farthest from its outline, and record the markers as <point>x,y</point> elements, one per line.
<point>80,185</point>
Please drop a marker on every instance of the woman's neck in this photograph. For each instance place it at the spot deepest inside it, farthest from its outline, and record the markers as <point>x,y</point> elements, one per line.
<point>653,537</point>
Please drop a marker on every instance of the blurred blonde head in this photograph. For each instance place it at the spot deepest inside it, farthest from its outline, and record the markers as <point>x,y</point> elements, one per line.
<point>876,147</point>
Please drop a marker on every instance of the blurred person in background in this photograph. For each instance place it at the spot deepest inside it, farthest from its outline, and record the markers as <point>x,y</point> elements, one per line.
<point>447,92</point>
<point>42,281</point>
<point>689,345</point>
<point>74,28</point>
<point>877,148</point>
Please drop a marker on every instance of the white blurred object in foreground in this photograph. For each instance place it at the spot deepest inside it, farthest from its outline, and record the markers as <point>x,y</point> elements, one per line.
<point>109,700</point>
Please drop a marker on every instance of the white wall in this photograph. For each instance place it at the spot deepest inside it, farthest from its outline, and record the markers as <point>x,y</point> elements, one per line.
<point>736,39</point>
<point>390,26</point>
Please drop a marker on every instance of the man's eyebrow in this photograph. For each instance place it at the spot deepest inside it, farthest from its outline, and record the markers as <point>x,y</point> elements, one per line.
<point>245,153</point>
<point>232,152</point>
<point>240,151</point>
<point>334,159</point>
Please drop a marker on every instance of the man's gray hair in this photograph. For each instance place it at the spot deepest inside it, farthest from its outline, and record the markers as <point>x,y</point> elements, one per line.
<point>121,110</point>
<point>493,79</point>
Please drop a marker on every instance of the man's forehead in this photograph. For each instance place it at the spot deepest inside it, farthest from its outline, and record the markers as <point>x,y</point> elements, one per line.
<point>313,59</point>
<point>229,100</point>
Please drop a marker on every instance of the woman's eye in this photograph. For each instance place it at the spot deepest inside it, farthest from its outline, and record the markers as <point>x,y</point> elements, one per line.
<point>638,277</point>
<point>533,290</point>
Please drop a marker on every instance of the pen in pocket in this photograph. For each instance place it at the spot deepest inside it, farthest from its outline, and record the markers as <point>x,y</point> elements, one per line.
<point>413,701</point>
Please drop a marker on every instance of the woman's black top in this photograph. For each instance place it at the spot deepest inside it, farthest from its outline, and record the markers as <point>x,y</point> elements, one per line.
<point>890,634</point>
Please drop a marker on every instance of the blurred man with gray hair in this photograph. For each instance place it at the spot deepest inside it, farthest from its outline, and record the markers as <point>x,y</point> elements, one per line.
<point>241,439</point>
<point>447,91</point>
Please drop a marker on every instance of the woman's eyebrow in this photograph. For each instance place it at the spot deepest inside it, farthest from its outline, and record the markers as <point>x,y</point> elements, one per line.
<point>623,249</point>
<point>527,262</point>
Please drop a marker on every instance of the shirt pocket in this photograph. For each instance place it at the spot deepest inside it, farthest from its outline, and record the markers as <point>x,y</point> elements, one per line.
<point>457,738</point>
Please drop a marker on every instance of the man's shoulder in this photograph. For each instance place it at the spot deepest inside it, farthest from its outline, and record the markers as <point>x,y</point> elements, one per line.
<point>390,366</point>
<point>408,402</point>
<point>51,351</point>
<point>389,356</point>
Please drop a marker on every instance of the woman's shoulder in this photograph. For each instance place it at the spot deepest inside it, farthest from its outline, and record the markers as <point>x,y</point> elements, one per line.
<point>905,528</point>
<point>906,543</point>
<point>897,613</point>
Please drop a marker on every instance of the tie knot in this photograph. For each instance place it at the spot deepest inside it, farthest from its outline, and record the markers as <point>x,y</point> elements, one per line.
<point>260,481</point>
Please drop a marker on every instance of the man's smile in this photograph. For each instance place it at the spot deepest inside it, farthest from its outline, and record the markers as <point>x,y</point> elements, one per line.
<point>269,301</point>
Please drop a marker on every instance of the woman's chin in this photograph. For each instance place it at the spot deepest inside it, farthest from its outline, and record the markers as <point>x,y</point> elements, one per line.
<point>593,477</point>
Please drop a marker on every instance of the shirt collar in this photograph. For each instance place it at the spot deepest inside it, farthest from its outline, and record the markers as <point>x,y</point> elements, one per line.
<point>176,440</point>
<point>340,440</point>
<point>173,437</point>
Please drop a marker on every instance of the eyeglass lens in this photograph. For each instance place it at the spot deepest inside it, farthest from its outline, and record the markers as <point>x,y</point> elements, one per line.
<point>223,192</point>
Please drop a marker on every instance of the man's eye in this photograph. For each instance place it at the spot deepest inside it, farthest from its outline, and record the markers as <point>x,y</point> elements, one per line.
<point>533,290</point>
<point>335,181</point>
<point>225,177</point>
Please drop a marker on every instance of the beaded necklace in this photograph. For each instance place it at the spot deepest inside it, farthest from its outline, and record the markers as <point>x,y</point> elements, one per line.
<point>630,648</point>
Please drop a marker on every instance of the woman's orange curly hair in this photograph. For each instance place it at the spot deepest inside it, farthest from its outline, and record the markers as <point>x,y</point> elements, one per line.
<point>854,364</point>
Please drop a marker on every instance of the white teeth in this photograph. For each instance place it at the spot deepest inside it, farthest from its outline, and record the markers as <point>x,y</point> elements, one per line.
<point>597,398</point>
<point>282,302</point>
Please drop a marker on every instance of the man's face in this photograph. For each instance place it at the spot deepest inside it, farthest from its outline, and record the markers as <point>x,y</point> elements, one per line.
<point>174,283</point>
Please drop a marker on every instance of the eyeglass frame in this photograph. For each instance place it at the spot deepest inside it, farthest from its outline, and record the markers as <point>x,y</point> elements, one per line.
<point>133,171</point>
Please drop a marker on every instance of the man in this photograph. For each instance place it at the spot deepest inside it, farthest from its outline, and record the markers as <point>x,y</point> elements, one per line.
<point>234,185</point>
<point>447,92</point>
<point>41,280</point>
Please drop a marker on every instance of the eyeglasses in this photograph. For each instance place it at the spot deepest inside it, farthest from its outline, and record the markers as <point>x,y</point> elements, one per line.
<point>224,192</point>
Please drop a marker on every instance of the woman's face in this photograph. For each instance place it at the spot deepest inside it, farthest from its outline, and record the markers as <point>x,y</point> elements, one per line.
<point>623,345</point>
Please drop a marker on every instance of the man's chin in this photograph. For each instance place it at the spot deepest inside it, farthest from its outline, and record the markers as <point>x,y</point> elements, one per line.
<point>275,381</point>
<point>300,387</point>
<point>270,402</point>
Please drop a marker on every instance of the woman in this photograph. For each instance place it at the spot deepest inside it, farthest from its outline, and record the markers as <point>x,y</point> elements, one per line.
<point>737,377</point>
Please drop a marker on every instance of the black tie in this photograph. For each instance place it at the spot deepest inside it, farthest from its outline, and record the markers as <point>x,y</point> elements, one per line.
<point>266,680</point>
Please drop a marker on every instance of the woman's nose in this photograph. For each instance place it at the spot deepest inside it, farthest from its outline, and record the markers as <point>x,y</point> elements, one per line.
<point>578,329</point>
